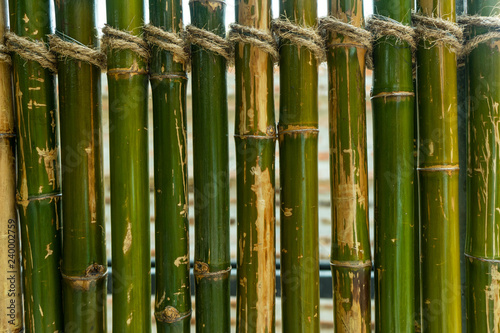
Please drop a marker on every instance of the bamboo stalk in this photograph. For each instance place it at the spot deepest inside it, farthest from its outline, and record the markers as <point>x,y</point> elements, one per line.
<point>38,188</point>
<point>255,149</point>
<point>393,102</point>
<point>169,81</point>
<point>482,251</point>
<point>130,219</point>
<point>211,174</point>
<point>10,272</point>
<point>350,256</point>
<point>438,178</point>
<point>298,140</point>
<point>84,264</point>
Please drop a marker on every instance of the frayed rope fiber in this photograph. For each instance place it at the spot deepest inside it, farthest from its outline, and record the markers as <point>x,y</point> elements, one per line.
<point>210,41</point>
<point>77,51</point>
<point>115,39</point>
<point>381,26</point>
<point>306,37</point>
<point>491,23</point>
<point>435,30</point>
<point>168,41</point>
<point>31,50</point>
<point>4,55</point>
<point>248,35</point>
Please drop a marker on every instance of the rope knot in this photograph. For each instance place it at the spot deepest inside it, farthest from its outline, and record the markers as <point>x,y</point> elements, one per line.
<point>210,41</point>
<point>264,40</point>
<point>490,23</point>
<point>168,41</point>
<point>115,39</point>
<point>31,50</point>
<point>435,30</point>
<point>300,35</point>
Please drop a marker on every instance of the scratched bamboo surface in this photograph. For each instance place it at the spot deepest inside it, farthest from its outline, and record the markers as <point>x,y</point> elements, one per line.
<point>326,310</point>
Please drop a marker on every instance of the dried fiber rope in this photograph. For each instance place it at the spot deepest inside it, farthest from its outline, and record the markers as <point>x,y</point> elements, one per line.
<point>357,35</point>
<point>4,54</point>
<point>77,51</point>
<point>31,50</point>
<point>491,23</point>
<point>307,37</point>
<point>115,39</point>
<point>435,30</point>
<point>382,26</point>
<point>210,41</point>
<point>264,40</point>
<point>168,41</point>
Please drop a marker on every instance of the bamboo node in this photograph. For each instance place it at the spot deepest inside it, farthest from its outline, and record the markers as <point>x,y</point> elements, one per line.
<point>202,270</point>
<point>168,41</point>
<point>264,40</point>
<point>77,51</point>
<point>31,50</point>
<point>491,23</point>
<point>115,39</point>
<point>437,31</point>
<point>171,315</point>
<point>210,41</point>
<point>93,273</point>
<point>301,36</point>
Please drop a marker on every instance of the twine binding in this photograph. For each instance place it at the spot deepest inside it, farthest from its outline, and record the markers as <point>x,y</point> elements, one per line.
<point>435,31</point>
<point>210,41</point>
<point>168,41</point>
<point>116,39</point>
<point>261,39</point>
<point>31,50</point>
<point>77,51</point>
<point>4,55</point>
<point>491,23</point>
<point>301,36</point>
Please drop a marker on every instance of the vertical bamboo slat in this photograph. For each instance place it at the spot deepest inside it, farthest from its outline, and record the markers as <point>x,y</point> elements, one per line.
<point>438,178</point>
<point>255,136</point>
<point>211,174</point>
<point>10,272</point>
<point>393,101</point>
<point>128,139</point>
<point>169,82</point>
<point>84,264</point>
<point>298,141</point>
<point>38,185</point>
<point>350,256</point>
<point>482,249</point>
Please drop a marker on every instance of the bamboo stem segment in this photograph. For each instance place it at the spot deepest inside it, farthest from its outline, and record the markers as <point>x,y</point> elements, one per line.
<point>298,141</point>
<point>482,249</point>
<point>130,218</point>
<point>438,178</point>
<point>38,185</point>
<point>350,256</point>
<point>169,82</point>
<point>211,173</point>
<point>84,265</point>
<point>255,136</point>
<point>393,125</point>
<point>10,272</point>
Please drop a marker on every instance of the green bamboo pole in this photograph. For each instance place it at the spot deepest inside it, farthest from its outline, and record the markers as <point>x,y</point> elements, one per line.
<point>393,126</point>
<point>84,264</point>
<point>350,256</point>
<point>438,178</point>
<point>298,141</point>
<point>482,249</point>
<point>10,271</point>
<point>38,185</point>
<point>211,174</point>
<point>255,138</point>
<point>128,138</point>
<point>169,81</point>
